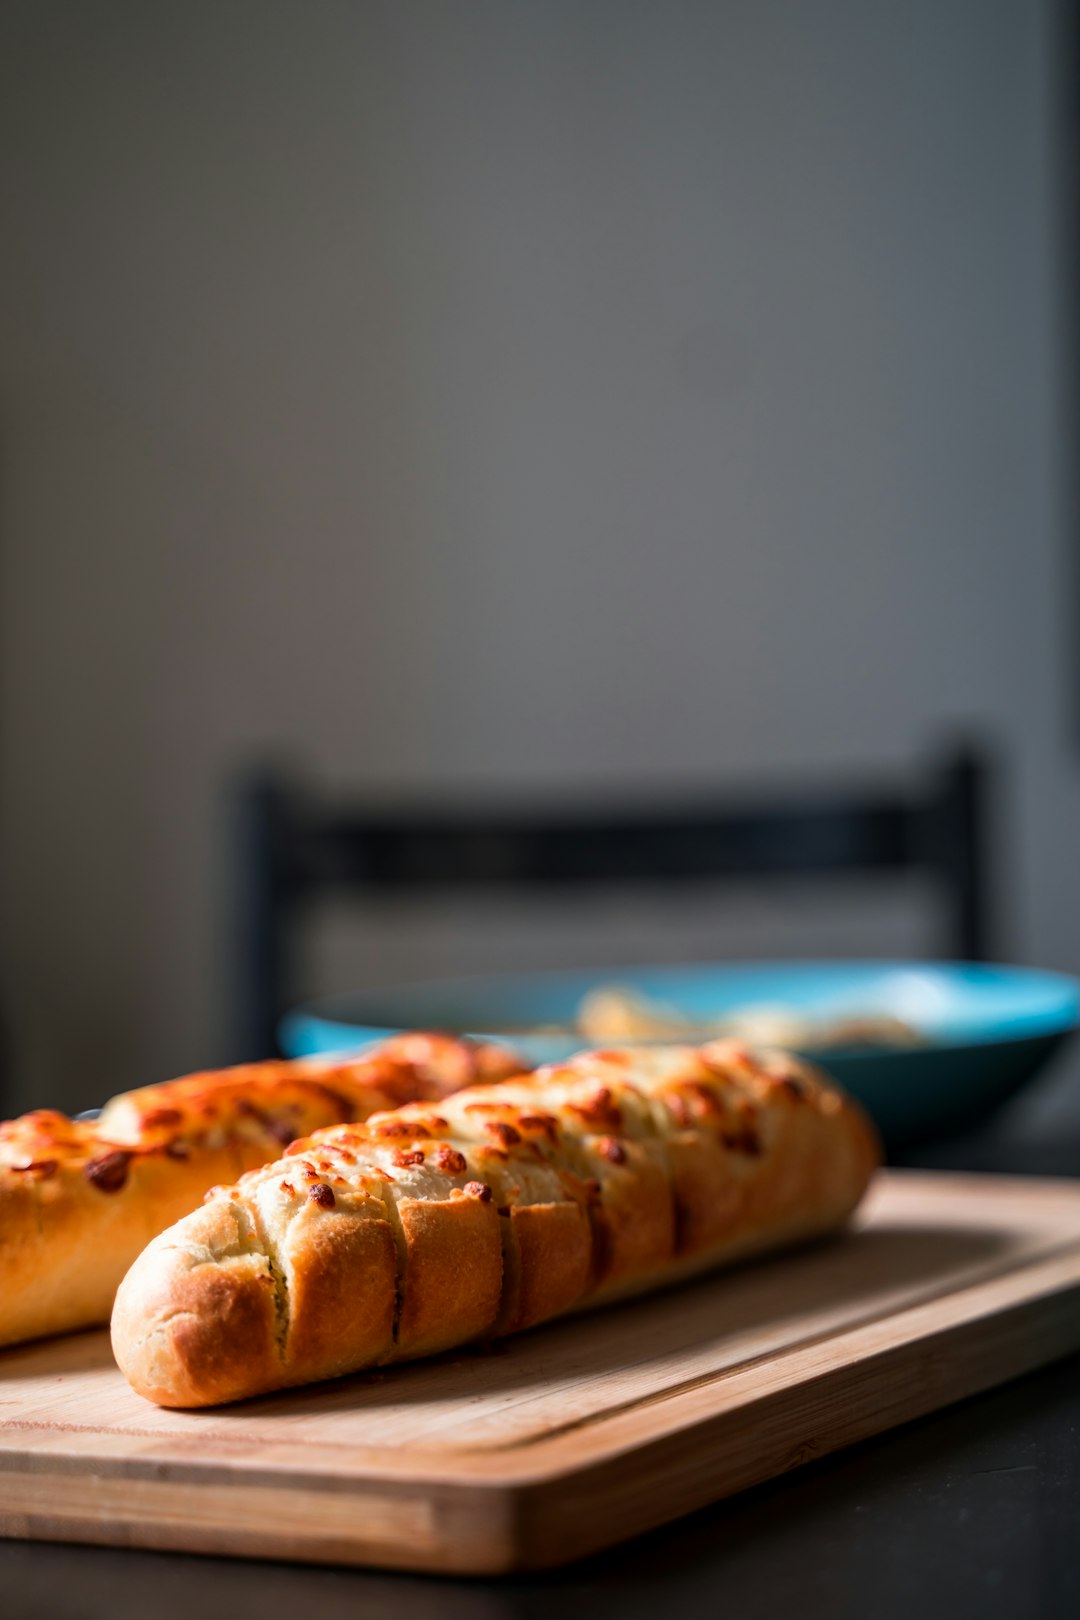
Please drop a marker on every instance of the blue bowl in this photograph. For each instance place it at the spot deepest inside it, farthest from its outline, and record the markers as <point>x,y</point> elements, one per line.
<point>987,1030</point>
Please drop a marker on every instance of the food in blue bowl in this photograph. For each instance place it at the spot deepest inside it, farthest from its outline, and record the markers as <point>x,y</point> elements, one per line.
<point>928,1048</point>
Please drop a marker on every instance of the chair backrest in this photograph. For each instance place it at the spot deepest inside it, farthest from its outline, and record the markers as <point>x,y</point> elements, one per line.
<point>292,849</point>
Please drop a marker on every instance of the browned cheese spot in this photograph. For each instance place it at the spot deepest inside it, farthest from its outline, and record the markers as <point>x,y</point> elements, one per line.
<point>109,1173</point>
<point>163,1116</point>
<point>540,1122</point>
<point>506,1134</point>
<point>599,1109</point>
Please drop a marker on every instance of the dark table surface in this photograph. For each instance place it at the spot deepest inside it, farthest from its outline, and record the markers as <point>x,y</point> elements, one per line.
<point>971,1511</point>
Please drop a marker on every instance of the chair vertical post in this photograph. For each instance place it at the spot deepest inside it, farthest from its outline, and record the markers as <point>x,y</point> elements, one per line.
<point>964,852</point>
<point>264,897</point>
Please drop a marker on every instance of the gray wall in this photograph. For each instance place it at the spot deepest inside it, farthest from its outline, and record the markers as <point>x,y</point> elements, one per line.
<point>531,396</point>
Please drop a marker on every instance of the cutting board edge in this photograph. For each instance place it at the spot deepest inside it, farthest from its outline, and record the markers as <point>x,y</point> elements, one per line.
<point>1032,1333</point>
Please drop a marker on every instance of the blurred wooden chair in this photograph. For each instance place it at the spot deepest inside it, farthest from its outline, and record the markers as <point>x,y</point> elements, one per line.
<point>291,848</point>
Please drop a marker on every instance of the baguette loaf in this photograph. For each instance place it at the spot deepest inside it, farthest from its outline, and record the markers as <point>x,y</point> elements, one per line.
<point>506,1205</point>
<point>79,1200</point>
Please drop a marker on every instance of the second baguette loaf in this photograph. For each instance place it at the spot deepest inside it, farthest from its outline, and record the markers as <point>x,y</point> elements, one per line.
<point>500,1208</point>
<point>80,1199</point>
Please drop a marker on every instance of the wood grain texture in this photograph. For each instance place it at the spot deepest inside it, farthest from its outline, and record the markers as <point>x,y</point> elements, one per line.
<point>579,1434</point>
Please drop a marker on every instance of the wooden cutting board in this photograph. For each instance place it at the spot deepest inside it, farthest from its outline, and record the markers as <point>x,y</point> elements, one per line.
<point>575,1436</point>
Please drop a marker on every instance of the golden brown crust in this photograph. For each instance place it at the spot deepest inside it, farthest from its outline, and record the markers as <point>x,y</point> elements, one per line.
<point>451,1281</point>
<point>79,1200</point>
<point>509,1204</point>
<point>323,1260</point>
<point>205,1310</point>
<point>552,1250</point>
